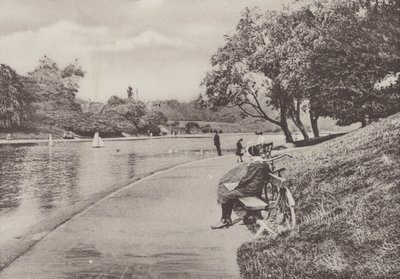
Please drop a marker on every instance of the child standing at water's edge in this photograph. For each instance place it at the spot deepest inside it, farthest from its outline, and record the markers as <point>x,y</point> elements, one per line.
<point>239,148</point>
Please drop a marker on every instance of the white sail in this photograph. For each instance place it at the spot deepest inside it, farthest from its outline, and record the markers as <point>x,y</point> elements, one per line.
<point>50,140</point>
<point>97,141</point>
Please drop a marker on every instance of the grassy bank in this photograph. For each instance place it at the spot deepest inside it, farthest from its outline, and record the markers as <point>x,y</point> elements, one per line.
<point>348,206</point>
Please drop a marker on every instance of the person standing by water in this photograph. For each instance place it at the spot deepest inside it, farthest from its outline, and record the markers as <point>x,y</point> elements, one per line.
<point>239,148</point>
<point>217,143</point>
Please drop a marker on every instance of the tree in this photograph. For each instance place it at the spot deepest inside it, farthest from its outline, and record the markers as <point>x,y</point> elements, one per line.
<point>238,79</point>
<point>284,59</point>
<point>114,101</point>
<point>14,99</point>
<point>54,80</point>
<point>191,125</point>
<point>294,51</point>
<point>156,117</point>
<point>348,60</point>
<point>337,55</point>
<point>54,92</point>
<point>130,92</point>
<point>71,75</point>
<point>206,129</point>
<point>130,110</point>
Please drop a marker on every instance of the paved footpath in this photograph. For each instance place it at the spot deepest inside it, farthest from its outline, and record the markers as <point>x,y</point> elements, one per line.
<point>158,227</point>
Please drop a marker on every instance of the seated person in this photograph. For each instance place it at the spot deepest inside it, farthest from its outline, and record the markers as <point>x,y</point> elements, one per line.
<point>263,148</point>
<point>252,179</point>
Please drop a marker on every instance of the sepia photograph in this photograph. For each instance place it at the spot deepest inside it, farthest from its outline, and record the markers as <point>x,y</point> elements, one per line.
<point>255,139</point>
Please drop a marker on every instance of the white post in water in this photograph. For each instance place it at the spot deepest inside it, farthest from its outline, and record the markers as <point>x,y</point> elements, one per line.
<point>50,140</point>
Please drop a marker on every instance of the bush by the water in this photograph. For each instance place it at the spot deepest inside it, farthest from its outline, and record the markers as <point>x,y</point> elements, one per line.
<point>348,208</point>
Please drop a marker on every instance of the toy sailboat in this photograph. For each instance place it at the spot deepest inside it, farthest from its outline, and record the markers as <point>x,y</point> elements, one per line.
<point>97,141</point>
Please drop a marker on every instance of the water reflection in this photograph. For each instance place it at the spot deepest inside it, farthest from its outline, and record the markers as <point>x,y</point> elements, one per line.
<point>10,169</point>
<point>53,176</point>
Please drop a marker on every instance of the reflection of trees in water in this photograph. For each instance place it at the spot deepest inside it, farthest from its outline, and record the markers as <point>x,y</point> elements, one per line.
<point>50,174</point>
<point>10,176</point>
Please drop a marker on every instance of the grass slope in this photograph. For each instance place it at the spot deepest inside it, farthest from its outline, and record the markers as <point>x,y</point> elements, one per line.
<point>348,205</point>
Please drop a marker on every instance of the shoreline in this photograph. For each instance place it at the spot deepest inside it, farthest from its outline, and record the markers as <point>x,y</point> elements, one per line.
<point>188,136</point>
<point>41,141</point>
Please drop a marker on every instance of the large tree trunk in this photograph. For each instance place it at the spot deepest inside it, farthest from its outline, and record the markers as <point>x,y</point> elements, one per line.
<point>314,123</point>
<point>303,130</point>
<point>283,123</point>
<point>286,132</point>
<point>297,121</point>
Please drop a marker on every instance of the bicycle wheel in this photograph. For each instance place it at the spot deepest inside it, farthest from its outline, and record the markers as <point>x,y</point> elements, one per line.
<point>282,216</point>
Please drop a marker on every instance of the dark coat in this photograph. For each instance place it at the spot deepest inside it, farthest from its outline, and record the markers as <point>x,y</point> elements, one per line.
<point>216,140</point>
<point>239,148</point>
<point>252,179</point>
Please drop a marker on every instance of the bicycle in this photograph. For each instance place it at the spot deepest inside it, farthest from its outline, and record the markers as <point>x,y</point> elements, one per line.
<point>281,205</point>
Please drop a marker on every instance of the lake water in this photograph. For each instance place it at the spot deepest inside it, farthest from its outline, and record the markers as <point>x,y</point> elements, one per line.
<point>38,182</point>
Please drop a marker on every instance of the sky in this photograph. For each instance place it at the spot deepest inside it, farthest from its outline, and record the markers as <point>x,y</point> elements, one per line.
<point>161,47</point>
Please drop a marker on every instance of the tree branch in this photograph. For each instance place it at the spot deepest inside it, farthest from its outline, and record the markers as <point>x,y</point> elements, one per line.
<point>249,114</point>
<point>257,106</point>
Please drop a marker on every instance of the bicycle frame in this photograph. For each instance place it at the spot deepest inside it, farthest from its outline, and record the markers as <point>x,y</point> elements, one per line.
<point>275,190</point>
<point>271,161</point>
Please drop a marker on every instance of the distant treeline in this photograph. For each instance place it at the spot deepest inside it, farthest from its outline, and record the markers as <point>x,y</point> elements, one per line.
<point>46,99</point>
